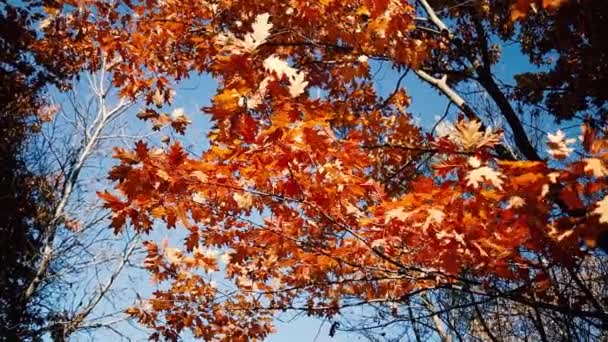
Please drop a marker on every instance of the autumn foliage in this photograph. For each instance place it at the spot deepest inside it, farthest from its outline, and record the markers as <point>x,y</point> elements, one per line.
<point>317,193</point>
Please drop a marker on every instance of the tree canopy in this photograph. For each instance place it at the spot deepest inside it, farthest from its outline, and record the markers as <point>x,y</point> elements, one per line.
<point>320,194</point>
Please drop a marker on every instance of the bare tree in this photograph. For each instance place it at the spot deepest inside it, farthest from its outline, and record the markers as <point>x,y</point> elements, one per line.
<point>82,269</point>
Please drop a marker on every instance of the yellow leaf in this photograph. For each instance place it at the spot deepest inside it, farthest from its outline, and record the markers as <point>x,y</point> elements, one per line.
<point>595,167</point>
<point>244,200</point>
<point>158,212</point>
<point>477,176</point>
<point>363,11</point>
<point>174,255</point>
<point>200,176</point>
<point>397,213</point>
<point>227,100</point>
<point>602,210</point>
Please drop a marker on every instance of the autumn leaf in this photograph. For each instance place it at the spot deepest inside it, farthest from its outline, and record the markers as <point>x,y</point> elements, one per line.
<point>358,200</point>
<point>199,197</point>
<point>521,8</point>
<point>435,216</point>
<point>595,166</point>
<point>227,100</point>
<point>397,213</point>
<point>480,175</point>
<point>158,99</point>
<point>243,199</point>
<point>558,145</point>
<point>602,210</point>
<point>174,255</point>
<point>297,84</point>
<point>261,31</point>
<point>468,135</point>
<point>281,68</point>
<point>111,200</point>
<point>178,113</point>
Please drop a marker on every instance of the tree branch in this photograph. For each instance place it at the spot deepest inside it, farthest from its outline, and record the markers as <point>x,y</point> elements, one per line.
<point>441,84</point>
<point>103,117</point>
<point>75,324</point>
<point>433,17</point>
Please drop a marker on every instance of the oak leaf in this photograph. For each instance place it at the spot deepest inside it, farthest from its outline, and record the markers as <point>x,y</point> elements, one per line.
<point>485,173</point>
<point>595,166</point>
<point>243,199</point>
<point>602,210</point>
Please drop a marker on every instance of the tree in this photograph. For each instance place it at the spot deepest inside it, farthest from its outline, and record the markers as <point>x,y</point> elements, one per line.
<point>24,203</point>
<point>326,203</point>
<point>54,245</point>
<point>80,259</point>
